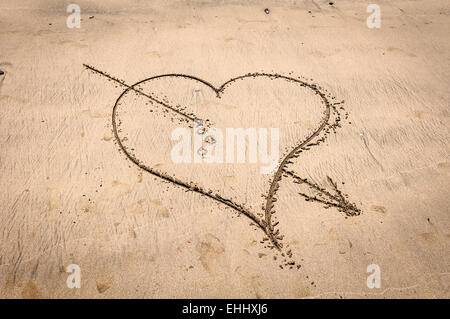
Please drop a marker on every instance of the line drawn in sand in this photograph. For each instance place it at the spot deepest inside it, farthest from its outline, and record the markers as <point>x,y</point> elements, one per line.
<point>264,221</point>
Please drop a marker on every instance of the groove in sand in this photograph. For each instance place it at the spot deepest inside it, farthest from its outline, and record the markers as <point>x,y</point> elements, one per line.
<point>265,224</point>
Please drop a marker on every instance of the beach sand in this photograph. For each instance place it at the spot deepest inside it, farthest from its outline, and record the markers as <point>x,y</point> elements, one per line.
<point>88,179</point>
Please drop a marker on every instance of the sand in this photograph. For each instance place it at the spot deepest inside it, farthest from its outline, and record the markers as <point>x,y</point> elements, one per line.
<point>88,179</point>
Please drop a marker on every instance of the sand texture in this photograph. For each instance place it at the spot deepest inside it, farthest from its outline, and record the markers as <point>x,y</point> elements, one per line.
<point>87,178</point>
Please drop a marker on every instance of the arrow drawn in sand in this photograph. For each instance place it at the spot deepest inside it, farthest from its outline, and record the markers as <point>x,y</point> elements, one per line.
<point>329,123</point>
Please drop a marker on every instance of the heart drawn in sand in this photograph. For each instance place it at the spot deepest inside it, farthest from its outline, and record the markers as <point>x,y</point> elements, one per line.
<point>146,114</point>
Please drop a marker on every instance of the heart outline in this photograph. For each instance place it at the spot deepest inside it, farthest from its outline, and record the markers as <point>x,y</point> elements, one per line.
<point>265,224</point>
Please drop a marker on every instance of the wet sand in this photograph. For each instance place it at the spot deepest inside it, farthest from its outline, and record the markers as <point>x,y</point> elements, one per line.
<point>86,117</point>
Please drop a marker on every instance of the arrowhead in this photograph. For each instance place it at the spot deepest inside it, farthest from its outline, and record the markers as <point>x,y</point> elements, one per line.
<point>332,197</point>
